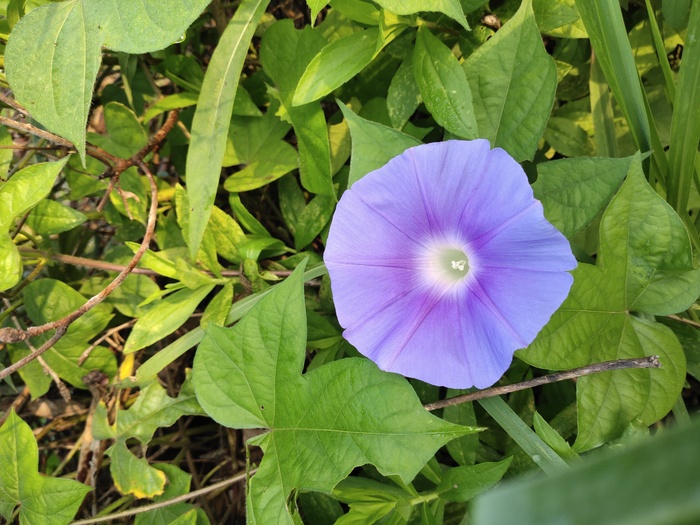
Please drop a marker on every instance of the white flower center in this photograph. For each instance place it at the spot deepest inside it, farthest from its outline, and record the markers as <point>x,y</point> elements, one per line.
<point>450,265</point>
<point>446,265</point>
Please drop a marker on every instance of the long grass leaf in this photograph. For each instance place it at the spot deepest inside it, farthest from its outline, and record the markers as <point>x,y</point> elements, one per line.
<point>685,126</point>
<point>606,30</point>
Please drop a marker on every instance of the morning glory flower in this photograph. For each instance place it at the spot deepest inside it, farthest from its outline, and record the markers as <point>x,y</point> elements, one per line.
<point>442,264</point>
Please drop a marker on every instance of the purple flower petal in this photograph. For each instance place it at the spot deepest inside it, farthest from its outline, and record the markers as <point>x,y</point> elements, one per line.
<point>442,264</point>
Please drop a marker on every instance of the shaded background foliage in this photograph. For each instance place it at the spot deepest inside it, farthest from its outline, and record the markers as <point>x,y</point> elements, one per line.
<point>291,102</point>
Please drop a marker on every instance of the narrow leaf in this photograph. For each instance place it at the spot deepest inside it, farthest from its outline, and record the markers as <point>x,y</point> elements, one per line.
<point>213,115</point>
<point>335,64</point>
<point>685,126</point>
<point>165,317</point>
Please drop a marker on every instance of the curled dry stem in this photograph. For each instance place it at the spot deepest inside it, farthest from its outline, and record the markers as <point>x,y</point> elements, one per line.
<point>61,325</point>
<point>606,366</point>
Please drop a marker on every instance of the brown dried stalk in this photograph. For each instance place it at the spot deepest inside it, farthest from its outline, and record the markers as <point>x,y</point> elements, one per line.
<point>607,366</point>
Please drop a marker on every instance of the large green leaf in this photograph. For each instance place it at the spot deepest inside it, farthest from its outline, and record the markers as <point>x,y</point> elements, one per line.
<point>373,144</point>
<point>574,191</point>
<point>513,81</point>
<point>213,116</point>
<point>41,499</point>
<point>648,484</point>
<point>319,425</point>
<point>335,64</point>
<point>645,265</point>
<point>443,86</point>
<point>54,52</point>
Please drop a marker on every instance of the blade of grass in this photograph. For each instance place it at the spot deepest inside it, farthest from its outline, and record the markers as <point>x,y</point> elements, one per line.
<point>685,125</point>
<point>606,30</point>
<point>669,82</point>
<point>191,339</point>
<point>604,136</point>
<point>541,453</point>
<point>213,116</point>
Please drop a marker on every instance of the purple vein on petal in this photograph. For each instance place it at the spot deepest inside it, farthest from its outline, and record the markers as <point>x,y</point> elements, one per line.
<point>481,294</point>
<point>380,214</point>
<point>430,217</point>
<point>360,322</point>
<point>493,232</point>
<point>400,264</point>
<point>468,200</point>
<point>428,305</point>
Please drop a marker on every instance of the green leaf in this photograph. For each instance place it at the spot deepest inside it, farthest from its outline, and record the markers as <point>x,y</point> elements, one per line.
<point>53,55</point>
<point>335,64</point>
<point>530,443</point>
<point>257,142</point>
<point>153,409</point>
<point>213,116</point>
<point>606,30</point>
<point>559,18</point>
<point>174,101</point>
<point>463,483</point>
<point>653,482</point>
<point>5,153</point>
<point>553,438</point>
<point>48,300</point>
<point>451,8</point>
<point>644,264</point>
<point>178,485</point>
<point>320,425</point>
<point>285,53</point>
<point>373,144</point>
<point>165,317</point>
<point>513,81</point>
<point>443,85</point>
<point>685,126</point>
<point>49,217</point>
<point>52,501</point>
<point>403,97</point>
<point>574,191</point>
<point>125,135</point>
<point>25,189</point>
<point>568,138</point>
<point>463,449</point>
<point>10,262</point>
<point>312,220</point>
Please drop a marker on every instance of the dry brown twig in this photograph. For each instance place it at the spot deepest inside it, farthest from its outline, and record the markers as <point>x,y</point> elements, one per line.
<point>116,166</point>
<point>607,366</point>
<point>11,335</point>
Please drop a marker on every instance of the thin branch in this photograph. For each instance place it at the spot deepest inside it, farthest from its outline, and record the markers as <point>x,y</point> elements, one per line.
<point>106,158</point>
<point>112,267</point>
<point>62,325</point>
<point>607,366</point>
<point>13,104</point>
<point>684,321</point>
<point>196,493</point>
